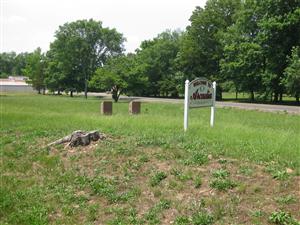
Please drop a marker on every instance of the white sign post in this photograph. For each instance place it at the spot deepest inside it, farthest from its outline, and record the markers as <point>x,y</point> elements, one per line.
<point>186,104</point>
<point>199,93</point>
<point>212,108</point>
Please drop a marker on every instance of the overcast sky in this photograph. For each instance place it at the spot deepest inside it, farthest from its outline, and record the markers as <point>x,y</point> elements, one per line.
<point>28,24</point>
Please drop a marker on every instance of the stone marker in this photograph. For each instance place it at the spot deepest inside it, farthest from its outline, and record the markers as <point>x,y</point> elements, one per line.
<point>134,107</point>
<point>106,107</point>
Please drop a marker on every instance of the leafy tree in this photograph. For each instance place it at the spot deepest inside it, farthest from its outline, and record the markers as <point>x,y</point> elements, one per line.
<point>12,64</point>
<point>79,49</point>
<point>243,57</point>
<point>158,57</point>
<point>201,49</point>
<point>7,63</point>
<point>279,31</point>
<point>55,78</point>
<point>242,65</point>
<point>19,63</point>
<point>292,81</point>
<point>257,44</point>
<point>119,75</point>
<point>35,70</point>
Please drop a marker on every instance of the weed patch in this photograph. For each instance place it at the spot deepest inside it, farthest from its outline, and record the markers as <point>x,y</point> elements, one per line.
<point>157,178</point>
<point>202,218</point>
<point>197,182</point>
<point>288,199</point>
<point>222,184</point>
<point>220,174</point>
<point>152,216</point>
<point>196,159</point>
<point>108,189</point>
<point>283,218</point>
<point>280,175</point>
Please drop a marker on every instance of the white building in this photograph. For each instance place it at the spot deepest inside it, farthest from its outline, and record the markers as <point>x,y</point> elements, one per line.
<point>15,84</point>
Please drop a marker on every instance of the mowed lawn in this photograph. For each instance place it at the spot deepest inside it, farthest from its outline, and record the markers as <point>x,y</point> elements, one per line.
<point>245,170</point>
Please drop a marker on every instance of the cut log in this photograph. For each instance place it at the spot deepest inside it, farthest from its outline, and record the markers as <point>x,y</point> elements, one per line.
<point>79,137</point>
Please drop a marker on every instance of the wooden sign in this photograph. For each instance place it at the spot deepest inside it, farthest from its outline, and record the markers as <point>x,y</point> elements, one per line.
<point>199,93</point>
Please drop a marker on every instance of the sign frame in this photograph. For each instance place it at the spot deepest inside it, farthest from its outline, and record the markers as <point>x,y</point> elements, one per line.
<point>203,82</point>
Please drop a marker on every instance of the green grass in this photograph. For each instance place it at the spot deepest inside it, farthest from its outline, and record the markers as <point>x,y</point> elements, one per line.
<point>247,134</point>
<point>148,159</point>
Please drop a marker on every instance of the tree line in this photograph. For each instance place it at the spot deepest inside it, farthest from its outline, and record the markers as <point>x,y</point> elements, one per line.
<point>245,45</point>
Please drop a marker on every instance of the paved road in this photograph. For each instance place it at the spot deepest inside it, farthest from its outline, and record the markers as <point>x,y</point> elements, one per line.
<point>247,106</point>
<point>262,107</point>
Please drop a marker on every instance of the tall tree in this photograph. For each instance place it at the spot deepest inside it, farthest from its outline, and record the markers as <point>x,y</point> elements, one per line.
<point>242,65</point>
<point>120,75</point>
<point>160,66</point>
<point>7,63</point>
<point>202,49</point>
<point>81,47</point>
<point>243,57</point>
<point>55,78</point>
<point>292,80</point>
<point>279,32</point>
<point>35,70</point>
<point>19,63</point>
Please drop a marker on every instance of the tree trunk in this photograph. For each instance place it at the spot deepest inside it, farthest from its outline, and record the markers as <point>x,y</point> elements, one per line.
<point>85,88</point>
<point>44,91</point>
<point>252,96</point>
<point>39,91</point>
<point>58,92</point>
<point>275,96</point>
<point>115,93</point>
<point>119,94</point>
<point>236,95</point>
<point>297,97</point>
<point>71,93</point>
<point>280,97</point>
<point>219,93</point>
<point>79,138</point>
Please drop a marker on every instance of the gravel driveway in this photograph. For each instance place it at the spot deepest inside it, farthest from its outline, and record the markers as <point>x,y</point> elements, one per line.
<point>247,106</point>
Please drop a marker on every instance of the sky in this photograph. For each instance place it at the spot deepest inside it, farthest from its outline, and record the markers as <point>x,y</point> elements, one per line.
<point>28,24</point>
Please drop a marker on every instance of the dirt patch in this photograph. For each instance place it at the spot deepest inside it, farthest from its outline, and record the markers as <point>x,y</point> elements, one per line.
<point>253,197</point>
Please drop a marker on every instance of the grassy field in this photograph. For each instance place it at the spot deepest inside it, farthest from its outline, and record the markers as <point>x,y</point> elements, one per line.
<point>245,170</point>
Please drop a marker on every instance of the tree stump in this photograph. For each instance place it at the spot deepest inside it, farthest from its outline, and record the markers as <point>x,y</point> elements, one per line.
<point>79,138</point>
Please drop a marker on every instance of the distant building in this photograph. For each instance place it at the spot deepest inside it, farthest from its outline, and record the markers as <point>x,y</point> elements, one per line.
<point>15,84</point>
<point>18,78</point>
